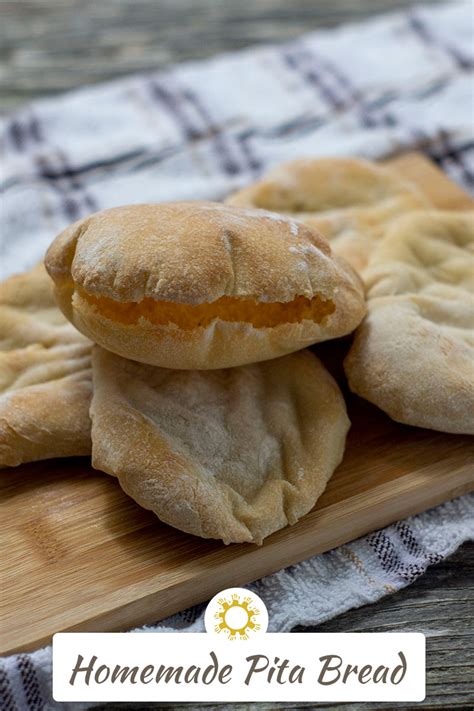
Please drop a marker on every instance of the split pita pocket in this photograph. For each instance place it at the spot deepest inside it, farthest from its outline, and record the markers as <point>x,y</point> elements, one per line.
<point>413,355</point>
<point>197,285</point>
<point>349,201</point>
<point>232,454</point>
<point>45,375</point>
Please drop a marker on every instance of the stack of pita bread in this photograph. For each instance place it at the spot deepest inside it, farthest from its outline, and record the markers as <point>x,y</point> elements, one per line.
<point>179,355</point>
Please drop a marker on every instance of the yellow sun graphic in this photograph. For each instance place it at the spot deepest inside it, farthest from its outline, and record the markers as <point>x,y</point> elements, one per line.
<point>236,617</point>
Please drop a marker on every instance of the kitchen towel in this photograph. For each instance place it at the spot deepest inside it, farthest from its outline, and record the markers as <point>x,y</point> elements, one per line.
<point>201,130</point>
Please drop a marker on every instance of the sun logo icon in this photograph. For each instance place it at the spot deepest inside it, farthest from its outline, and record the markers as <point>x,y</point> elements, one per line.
<point>237,617</point>
<point>237,614</point>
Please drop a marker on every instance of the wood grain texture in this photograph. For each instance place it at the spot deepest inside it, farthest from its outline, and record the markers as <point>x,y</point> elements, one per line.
<point>50,46</point>
<point>119,567</point>
<point>84,556</point>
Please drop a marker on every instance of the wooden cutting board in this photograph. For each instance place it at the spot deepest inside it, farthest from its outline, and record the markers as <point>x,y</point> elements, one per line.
<point>78,554</point>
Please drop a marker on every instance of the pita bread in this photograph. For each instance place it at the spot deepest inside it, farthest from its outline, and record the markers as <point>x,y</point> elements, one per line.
<point>351,202</point>
<point>45,375</point>
<point>413,355</point>
<point>196,285</point>
<point>231,454</point>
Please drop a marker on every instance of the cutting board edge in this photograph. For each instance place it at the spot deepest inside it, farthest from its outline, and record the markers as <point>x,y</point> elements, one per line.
<point>114,620</point>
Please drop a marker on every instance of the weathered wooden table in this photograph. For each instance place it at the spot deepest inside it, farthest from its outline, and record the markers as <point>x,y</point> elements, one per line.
<point>49,46</point>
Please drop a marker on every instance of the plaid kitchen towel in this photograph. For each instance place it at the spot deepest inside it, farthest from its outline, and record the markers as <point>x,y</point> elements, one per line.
<point>204,129</point>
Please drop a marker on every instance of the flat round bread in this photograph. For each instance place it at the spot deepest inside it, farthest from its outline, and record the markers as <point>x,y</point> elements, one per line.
<point>413,355</point>
<point>196,285</point>
<point>347,200</point>
<point>232,454</point>
<point>45,375</point>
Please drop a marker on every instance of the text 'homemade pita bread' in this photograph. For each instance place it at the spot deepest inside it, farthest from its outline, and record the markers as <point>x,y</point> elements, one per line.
<point>201,285</point>
<point>231,454</point>
<point>349,201</point>
<point>413,355</point>
<point>45,375</point>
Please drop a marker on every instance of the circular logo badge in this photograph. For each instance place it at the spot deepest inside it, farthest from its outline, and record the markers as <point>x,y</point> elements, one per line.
<point>236,614</point>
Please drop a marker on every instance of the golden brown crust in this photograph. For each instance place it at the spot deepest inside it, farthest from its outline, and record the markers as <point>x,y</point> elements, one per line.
<point>413,354</point>
<point>192,253</point>
<point>349,201</point>
<point>45,375</point>
<point>199,253</point>
<point>233,454</point>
